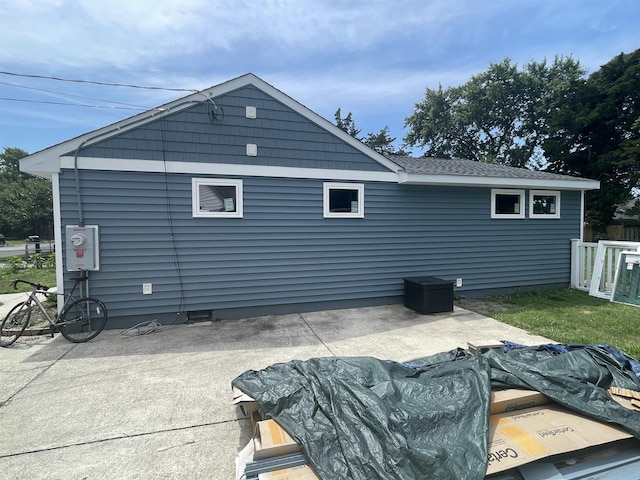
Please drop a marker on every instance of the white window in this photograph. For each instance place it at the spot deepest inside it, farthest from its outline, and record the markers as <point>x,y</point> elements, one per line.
<point>343,200</point>
<point>216,197</point>
<point>507,203</point>
<point>544,204</point>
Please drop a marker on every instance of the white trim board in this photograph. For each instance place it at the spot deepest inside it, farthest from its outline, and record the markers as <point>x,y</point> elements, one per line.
<point>242,170</point>
<point>196,168</point>
<point>496,182</point>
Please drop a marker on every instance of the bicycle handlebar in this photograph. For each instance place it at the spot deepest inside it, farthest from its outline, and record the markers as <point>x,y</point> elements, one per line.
<point>37,286</point>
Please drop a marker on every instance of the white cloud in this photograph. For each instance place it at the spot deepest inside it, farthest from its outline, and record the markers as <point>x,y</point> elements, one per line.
<point>145,33</point>
<point>371,57</point>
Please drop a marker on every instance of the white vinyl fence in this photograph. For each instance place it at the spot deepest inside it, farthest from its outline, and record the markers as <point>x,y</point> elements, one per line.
<point>593,265</point>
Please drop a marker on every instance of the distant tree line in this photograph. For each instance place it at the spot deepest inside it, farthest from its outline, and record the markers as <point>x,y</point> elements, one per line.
<point>26,206</point>
<point>542,116</point>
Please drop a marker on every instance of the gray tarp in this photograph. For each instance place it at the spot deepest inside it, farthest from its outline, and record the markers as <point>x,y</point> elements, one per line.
<point>362,418</point>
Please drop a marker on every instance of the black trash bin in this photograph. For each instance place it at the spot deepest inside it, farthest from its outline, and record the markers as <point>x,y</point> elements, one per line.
<point>35,239</point>
<point>428,294</point>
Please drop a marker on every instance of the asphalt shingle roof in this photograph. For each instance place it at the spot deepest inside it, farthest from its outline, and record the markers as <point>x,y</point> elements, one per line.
<point>469,168</point>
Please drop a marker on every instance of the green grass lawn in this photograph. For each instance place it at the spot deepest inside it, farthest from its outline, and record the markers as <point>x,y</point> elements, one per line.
<point>45,276</point>
<point>571,316</point>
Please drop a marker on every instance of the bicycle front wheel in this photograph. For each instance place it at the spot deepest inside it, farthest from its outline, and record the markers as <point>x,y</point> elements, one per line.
<point>14,323</point>
<point>82,320</point>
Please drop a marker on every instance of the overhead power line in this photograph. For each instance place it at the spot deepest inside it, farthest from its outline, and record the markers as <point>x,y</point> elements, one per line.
<point>93,82</point>
<point>70,95</point>
<point>71,104</point>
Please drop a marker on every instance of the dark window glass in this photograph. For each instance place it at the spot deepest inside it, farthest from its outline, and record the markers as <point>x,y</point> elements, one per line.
<point>343,201</point>
<point>507,204</point>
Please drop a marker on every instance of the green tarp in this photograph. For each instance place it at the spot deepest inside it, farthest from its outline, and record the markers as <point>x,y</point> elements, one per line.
<point>363,418</point>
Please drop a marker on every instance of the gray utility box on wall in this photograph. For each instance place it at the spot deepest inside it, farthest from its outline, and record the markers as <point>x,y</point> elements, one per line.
<point>428,294</point>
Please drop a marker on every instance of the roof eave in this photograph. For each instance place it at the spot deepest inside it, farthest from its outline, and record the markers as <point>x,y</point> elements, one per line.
<point>40,166</point>
<point>496,182</point>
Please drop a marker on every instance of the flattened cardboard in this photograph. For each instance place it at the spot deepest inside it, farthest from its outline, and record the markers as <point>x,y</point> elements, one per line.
<point>244,456</point>
<point>534,433</point>
<point>503,401</point>
<point>303,472</point>
<point>246,403</point>
<point>478,347</point>
<point>271,440</point>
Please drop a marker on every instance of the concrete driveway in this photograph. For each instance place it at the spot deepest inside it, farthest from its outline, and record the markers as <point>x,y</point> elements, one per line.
<point>158,406</point>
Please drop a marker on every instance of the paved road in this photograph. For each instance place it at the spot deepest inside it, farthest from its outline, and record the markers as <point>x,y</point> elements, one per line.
<point>11,250</point>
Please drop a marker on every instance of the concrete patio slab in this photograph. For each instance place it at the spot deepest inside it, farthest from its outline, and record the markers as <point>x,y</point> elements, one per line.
<point>158,406</point>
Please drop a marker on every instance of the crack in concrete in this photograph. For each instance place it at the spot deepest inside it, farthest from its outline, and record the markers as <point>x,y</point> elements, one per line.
<point>119,437</point>
<point>44,370</point>
<point>316,335</point>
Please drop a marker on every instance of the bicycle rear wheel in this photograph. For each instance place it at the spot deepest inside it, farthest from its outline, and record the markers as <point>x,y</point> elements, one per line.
<point>82,320</point>
<point>14,323</point>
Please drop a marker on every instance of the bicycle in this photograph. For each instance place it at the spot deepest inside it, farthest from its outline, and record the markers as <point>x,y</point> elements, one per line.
<point>80,319</point>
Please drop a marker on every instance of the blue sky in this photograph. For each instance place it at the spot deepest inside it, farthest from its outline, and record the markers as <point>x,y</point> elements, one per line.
<point>372,58</point>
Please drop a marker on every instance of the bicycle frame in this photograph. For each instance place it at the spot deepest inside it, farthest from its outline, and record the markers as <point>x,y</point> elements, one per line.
<point>78,319</point>
<point>33,298</point>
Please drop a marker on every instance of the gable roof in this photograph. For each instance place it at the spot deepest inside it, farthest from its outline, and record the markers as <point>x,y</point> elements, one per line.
<point>461,172</point>
<point>46,161</point>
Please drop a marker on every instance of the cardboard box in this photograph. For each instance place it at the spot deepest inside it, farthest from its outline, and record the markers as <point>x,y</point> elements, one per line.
<point>503,401</point>
<point>539,432</point>
<point>246,403</point>
<point>271,440</point>
<point>303,472</point>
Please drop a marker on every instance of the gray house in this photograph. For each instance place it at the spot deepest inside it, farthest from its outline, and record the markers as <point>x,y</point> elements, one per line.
<point>239,201</point>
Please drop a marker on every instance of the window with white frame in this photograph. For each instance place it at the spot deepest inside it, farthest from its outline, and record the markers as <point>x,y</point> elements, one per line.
<point>215,197</point>
<point>544,204</point>
<point>507,203</point>
<point>343,200</point>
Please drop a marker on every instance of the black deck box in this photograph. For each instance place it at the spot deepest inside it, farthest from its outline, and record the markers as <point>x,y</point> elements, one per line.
<point>428,294</point>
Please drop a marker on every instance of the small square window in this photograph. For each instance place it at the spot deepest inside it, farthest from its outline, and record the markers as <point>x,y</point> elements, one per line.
<point>343,200</point>
<point>544,204</point>
<point>507,203</point>
<point>216,198</point>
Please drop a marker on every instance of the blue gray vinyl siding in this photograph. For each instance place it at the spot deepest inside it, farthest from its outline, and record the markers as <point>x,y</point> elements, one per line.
<point>284,256</point>
<point>284,137</point>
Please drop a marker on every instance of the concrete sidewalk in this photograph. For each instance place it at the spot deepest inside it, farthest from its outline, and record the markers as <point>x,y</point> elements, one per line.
<point>158,406</point>
<point>9,300</point>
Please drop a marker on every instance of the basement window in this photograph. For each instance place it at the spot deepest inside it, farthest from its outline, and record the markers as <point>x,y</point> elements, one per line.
<point>544,204</point>
<point>507,203</point>
<point>216,198</point>
<point>343,200</point>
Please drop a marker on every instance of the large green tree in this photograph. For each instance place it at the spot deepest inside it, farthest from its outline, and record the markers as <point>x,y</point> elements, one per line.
<point>498,116</point>
<point>25,201</point>
<point>595,133</point>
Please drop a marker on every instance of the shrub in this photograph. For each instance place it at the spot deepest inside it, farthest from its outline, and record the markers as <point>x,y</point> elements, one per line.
<point>15,264</point>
